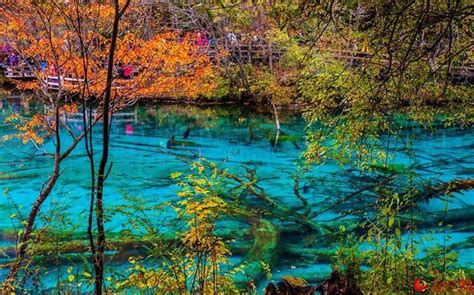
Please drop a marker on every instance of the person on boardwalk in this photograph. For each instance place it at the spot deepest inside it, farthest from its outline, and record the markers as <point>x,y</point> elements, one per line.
<point>127,72</point>
<point>52,70</point>
<point>232,38</point>
<point>201,40</point>
<point>43,65</point>
<point>13,59</point>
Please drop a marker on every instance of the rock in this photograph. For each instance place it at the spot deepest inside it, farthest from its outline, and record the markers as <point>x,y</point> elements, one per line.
<point>295,282</point>
<point>339,285</point>
<point>289,286</point>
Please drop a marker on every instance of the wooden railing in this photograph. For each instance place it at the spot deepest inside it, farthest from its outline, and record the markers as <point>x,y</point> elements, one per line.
<point>244,52</point>
<point>355,58</point>
<point>66,83</point>
<point>248,52</point>
<point>19,72</point>
<point>119,117</point>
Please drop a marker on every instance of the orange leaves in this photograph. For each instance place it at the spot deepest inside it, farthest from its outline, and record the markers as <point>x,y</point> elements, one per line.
<point>37,127</point>
<point>68,108</point>
<point>27,85</point>
<point>166,65</point>
<point>32,129</point>
<point>13,25</point>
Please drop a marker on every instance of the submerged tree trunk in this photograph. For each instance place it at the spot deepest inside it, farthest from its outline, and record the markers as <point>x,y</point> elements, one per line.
<point>261,255</point>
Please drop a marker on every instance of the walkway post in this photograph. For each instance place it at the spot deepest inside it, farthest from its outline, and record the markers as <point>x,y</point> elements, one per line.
<point>249,52</point>
<point>270,59</point>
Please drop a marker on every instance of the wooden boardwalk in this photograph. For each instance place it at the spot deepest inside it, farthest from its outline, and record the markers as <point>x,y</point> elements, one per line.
<point>248,52</point>
<point>119,117</point>
<point>19,72</point>
<point>67,83</point>
<point>269,54</point>
<point>244,53</point>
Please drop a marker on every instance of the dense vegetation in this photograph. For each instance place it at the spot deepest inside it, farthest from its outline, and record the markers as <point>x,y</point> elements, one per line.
<point>360,72</point>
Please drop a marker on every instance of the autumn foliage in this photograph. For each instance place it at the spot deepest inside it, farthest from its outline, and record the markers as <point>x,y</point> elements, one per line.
<point>70,41</point>
<point>36,127</point>
<point>69,44</point>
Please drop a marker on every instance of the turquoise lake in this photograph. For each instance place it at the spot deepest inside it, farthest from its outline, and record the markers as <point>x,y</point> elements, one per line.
<point>234,138</point>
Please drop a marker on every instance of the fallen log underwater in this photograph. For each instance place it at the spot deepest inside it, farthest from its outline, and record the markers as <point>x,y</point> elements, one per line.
<point>263,244</point>
<point>271,225</point>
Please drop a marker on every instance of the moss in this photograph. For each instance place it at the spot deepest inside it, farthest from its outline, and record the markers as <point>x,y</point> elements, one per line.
<point>75,244</point>
<point>5,176</point>
<point>295,282</point>
<point>261,254</point>
<point>8,235</point>
<point>266,241</point>
<point>391,168</point>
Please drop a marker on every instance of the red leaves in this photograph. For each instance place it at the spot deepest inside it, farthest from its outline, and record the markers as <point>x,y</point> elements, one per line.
<point>463,286</point>
<point>420,286</point>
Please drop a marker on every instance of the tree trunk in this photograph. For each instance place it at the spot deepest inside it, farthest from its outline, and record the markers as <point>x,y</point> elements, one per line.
<point>23,244</point>
<point>99,253</point>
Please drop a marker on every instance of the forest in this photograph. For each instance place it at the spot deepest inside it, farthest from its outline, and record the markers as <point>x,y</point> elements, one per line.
<point>236,147</point>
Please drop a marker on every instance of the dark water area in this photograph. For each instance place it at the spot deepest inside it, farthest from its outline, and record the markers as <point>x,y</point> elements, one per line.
<point>234,138</point>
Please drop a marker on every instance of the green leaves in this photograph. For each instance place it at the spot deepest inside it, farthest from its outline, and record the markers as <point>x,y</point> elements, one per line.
<point>391,221</point>
<point>70,277</point>
<point>398,232</point>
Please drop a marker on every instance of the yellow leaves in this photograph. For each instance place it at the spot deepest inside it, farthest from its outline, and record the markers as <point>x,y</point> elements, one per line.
<point>7,137</point>
<point>200,208</point>
<point>200,169</point>
<point>200,181</point>
<point>184,193</point>
<point>165,278</point>
<point>200,190</point>
<point>37,127</point>
<point>175,175</point>
<point>70,277</point>
<point>121,284</point>
<point>30,129</point>
<point>180,265</point>
<point>12,117</point>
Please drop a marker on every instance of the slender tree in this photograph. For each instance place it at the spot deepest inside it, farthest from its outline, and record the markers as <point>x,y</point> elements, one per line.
<point>101,177</point>
<point>72,40</point>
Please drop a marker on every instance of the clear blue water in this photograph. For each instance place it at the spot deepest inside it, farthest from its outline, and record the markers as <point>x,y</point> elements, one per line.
<point>232,137</point>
